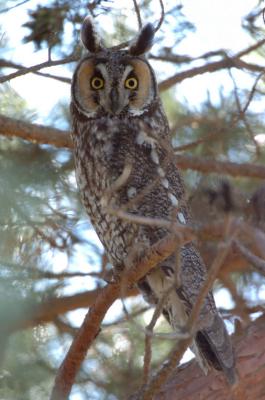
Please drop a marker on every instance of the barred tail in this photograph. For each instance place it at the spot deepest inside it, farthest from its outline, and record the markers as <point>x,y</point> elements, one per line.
<point>215,348</point>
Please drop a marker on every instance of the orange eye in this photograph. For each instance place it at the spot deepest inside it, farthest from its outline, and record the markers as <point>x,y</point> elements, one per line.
<point>97,83</point>
<point>131,83</point>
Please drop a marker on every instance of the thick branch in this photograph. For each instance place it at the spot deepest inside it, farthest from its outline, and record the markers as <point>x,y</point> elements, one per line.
<point>34,133</point>
<point>210,67</point>
<point>189,383</point>
<point>91,325</point>
<point>50,309</point>
<point>85,336</point>
<point>207,166</point>
<point>226,62</point>
<point>56,137</point>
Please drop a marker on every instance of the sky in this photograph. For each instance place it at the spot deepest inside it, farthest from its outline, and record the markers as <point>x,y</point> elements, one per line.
<point>218,25</point>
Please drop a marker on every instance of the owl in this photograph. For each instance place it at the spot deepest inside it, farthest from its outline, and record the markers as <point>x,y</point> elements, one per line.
<point>125,161</point>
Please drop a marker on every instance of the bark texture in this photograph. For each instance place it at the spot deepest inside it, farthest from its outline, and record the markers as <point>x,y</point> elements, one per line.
<point>46,135</point>
<point>189,383</point>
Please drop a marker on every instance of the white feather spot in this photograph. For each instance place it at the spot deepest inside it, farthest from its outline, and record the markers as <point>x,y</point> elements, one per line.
<point>154,156</point>
<point>142,138</point>
<point>161,172</point>
<point>131,192</point>
<point>135,111</point>
<point>181,218</point>
<point>100,135</point>
<point>165,183</point>
<point>173,200</point>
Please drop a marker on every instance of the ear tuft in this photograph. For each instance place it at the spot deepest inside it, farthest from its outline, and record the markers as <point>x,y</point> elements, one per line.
<point>143,41</point>
<point>89,36</point>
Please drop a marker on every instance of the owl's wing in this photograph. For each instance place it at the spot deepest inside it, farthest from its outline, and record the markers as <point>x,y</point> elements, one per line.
<point>211,339</point>
<point>215,348</point>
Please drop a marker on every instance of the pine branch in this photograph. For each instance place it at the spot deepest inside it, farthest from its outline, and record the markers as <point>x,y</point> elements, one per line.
<point>37,67</point>
<point>34,133</point>
<point>46,135</point>
<point>189,383</point>
<point>91,325</point>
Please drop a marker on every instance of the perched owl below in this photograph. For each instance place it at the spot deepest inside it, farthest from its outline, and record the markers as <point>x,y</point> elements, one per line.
<point>120,130</point>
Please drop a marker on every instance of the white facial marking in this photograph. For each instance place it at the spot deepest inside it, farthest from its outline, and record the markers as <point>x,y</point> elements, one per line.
<point>135,111</point>
<point>173,200</point>
<point>127,70</point>
<point>88,114</point>
<point>103,71</point>
<point>181,218</point>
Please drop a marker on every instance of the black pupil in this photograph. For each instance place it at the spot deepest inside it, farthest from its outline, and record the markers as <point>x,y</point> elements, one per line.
<point>131,82</point>
<point>97,82</point>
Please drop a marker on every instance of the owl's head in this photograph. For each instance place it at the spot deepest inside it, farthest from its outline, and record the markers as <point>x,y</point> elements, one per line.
<point>114,82</point>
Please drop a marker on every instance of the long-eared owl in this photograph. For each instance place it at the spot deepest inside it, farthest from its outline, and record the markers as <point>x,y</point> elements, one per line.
<point>124,161</point>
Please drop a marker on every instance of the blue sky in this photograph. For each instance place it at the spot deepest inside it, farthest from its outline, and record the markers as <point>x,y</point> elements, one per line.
<point>218,25</point>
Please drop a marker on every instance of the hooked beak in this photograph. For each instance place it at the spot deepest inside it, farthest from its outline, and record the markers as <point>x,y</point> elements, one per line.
<point>115,106</point>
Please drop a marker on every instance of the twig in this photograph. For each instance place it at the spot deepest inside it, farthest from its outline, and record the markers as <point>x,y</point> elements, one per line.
<point>249,49</point>
<point>226,62</point>
<point>242,115</point>
<point>162,16</point>
<point>223,250</point>
<point>210,67</point>
<point>125,319</point>
<point>138,14</point>
<point>37,67</point>
<point>196,143</point>
<point>240,304</point>
<point>12,7</point>
<point>149,333</point>
<point>252,92</point>
<point>8,64</point>
<point>148,221</point>
<point>159,379</point>
<point>257,262</point>
<point>90,327</point>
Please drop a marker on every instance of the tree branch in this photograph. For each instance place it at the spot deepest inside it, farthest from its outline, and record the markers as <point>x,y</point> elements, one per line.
<point>226,62</point>
<point>37,67</point>
<point>34,133</point>
<point>91,325</point>
<point>210,67</point>
<point>158,380</point>
<point>189,383</point>
<point>46,135</point>
<point>8,64</point>
<point>50,309</point>
<point>207,166</point>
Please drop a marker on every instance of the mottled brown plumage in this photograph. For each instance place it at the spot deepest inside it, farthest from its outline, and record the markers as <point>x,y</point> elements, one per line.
<point>118,123</point>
